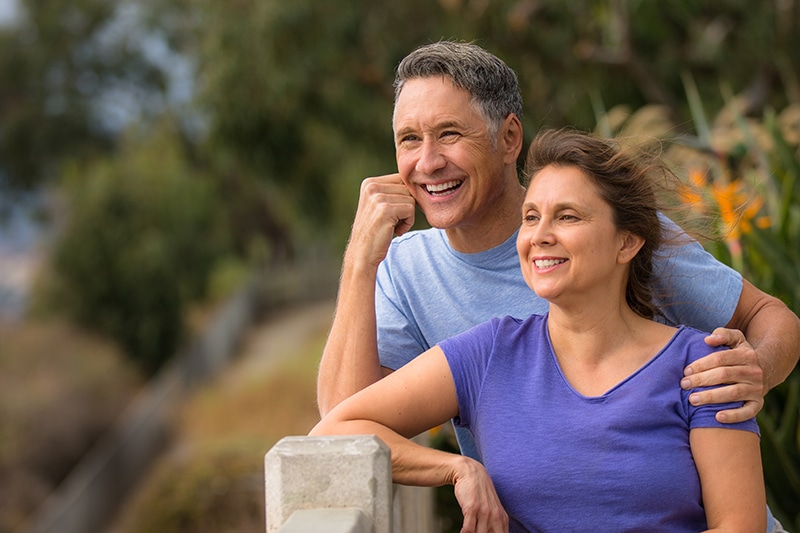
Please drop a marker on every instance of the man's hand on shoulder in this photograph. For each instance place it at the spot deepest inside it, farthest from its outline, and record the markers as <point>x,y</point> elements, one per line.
<point>737,369</point>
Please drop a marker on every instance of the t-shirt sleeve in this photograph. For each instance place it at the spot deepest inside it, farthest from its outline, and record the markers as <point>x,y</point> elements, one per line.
<point>692,287</point>
<point>468,355</point>
<point>399,340</point>
<point>704,416</point>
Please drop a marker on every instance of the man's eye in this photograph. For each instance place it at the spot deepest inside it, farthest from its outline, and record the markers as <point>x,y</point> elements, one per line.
<point>407,140</point>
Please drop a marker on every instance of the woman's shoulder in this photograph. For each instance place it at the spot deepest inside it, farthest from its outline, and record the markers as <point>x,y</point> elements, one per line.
<point>691,343</point>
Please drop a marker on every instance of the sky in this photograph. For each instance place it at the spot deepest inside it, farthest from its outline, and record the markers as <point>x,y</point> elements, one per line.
<point>8,12</point>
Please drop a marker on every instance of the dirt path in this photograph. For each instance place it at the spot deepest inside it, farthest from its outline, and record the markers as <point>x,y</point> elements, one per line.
<point>276,338</point>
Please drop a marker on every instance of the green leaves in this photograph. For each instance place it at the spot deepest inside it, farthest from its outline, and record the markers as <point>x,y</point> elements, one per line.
<point>142,236</point>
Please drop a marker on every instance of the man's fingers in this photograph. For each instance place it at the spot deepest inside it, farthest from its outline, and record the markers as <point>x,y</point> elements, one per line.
<point>730,393</point>
<point>748,410</point>
<point>404,225</point>
<point>749,394</point>
<point>725,337</point>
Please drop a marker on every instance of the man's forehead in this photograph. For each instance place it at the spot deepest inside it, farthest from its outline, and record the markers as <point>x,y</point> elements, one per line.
<point>434,103</point>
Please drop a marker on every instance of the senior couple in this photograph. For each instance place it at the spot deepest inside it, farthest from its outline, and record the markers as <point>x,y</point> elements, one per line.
<point>602,370</point>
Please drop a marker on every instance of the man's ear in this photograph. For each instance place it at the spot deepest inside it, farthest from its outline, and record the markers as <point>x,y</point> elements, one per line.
<point>510,135</point>
<point>631,244</point>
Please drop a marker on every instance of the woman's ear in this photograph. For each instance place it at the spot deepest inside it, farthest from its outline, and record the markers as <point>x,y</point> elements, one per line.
<point>631,244</point>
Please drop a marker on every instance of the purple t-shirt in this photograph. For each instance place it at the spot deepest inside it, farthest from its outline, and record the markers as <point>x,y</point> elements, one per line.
<point>562,461</point>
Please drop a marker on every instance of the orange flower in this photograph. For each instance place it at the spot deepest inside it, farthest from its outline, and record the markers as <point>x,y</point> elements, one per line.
<point>738,208</point>
<point>692,193</point>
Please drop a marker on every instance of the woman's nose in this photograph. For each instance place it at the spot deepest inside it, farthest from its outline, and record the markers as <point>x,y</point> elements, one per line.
<point>541,234</point>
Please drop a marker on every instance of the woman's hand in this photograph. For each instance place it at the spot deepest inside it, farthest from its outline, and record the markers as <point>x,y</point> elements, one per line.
<point>480,505</point>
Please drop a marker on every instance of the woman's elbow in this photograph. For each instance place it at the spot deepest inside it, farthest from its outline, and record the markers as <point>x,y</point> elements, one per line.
<point>322,428</point>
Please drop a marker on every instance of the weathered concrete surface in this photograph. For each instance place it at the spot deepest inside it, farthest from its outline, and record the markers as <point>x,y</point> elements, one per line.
<point>329,472</point>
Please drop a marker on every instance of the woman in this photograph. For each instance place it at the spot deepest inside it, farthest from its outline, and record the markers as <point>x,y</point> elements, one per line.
<point>578,415</point>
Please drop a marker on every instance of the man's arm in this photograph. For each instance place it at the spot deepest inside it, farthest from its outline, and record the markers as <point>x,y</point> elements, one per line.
<point>764,337</point>
<point>350,358</point>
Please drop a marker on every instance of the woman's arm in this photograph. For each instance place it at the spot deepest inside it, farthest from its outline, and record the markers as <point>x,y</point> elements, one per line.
<point>731,477</point>
<point>419,396</point>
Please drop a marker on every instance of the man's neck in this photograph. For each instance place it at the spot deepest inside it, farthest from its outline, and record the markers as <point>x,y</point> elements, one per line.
<point>492,230</point>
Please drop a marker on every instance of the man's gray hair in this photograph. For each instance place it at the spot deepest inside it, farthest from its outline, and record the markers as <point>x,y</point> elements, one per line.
<point>492,84</point>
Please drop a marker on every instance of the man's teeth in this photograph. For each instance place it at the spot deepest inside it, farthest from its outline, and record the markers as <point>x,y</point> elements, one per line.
<point>442,187</point>
<point>547,263</point>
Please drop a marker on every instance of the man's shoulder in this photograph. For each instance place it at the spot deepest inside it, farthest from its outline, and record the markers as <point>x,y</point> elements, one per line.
<point>420,237</point>
<point>417,244</point>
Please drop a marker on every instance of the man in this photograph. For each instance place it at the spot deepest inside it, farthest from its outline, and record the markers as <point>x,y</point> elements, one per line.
<point>457,136</point>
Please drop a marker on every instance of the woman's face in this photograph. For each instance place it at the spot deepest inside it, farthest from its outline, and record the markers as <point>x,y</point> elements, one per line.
<point>569,246</point>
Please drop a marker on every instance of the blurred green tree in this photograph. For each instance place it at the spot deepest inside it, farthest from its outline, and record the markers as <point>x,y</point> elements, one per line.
<point>143,233</point>
<point>56,63</point>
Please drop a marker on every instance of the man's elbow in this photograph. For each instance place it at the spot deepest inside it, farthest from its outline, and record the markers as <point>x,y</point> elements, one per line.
<point>756,307</point>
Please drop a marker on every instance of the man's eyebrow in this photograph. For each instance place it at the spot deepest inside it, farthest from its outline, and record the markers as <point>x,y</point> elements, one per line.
<point>403,132</point>
<point>446,125</point>
<point>449,124</point>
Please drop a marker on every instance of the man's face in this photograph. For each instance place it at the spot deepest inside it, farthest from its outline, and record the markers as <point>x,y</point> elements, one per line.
<point>445,156</point>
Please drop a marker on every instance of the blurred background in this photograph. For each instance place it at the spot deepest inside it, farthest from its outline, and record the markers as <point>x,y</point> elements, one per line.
<point>158,156</point>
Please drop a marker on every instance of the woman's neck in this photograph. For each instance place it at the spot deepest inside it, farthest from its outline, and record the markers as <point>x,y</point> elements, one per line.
<point>600,346</point>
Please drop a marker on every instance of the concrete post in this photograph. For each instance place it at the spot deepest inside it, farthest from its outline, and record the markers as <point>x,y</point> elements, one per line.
<point>329,472</point>
<point>330,520</point>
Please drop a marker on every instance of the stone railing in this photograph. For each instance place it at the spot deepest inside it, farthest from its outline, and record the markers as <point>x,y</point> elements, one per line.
<point>340,485</point>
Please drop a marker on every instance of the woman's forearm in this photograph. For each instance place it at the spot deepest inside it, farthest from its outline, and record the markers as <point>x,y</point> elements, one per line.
<point>412,463</point>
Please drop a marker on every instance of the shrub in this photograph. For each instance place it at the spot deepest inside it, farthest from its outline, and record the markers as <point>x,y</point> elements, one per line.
<point>143,232</point>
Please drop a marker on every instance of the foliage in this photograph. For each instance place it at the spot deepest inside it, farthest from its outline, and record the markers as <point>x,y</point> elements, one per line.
<point>142,235</point>
<point>56,65</point>
<point>216,488</point>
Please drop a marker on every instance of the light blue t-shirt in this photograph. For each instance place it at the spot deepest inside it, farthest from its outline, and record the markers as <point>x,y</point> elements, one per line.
<point>427,292</point>
<point>563,461</point>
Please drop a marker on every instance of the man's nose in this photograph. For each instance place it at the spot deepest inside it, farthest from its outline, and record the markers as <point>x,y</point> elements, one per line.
<point>431,158</point>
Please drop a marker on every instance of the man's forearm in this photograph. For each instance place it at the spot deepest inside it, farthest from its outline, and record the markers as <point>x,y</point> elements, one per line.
<point>773,331</point>
<point>350,359</point>
<point>775,336</point>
